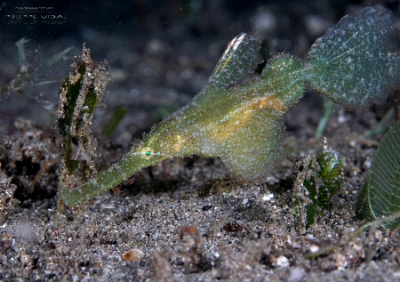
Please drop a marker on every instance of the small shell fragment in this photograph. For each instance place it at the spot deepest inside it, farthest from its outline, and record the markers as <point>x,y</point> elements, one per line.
<point>314,248</point>
<point>133,255</point>
<point>282,261</point>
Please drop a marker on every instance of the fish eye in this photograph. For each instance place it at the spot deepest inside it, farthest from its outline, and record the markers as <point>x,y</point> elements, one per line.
<point>147,152</point>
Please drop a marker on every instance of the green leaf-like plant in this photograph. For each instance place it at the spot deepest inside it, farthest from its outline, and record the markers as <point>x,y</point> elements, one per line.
<point>317,182</point>
<point>354,64</point>
<point>380,195</point>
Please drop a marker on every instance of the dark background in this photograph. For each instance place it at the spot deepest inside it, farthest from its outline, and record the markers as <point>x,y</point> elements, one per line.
<point>160,53</point>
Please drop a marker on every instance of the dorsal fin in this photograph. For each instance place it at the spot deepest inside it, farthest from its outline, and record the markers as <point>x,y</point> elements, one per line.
<point>238,60</point>
<point>356,62</point>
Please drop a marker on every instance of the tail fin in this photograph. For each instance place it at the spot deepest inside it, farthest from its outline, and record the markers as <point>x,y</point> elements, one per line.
<point>356,63</point>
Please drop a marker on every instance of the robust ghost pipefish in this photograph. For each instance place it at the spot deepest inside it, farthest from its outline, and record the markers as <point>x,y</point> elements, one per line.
<point>355,64</point>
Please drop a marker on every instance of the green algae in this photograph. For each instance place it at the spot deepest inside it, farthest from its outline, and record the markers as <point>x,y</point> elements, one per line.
<point>380,194</point>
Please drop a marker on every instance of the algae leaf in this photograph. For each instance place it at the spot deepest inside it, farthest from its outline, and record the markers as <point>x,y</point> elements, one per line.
<point>380,195</point>
<point>324,177</point>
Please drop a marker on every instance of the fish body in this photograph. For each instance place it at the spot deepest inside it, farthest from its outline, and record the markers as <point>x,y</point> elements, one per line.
<point>355,64</point>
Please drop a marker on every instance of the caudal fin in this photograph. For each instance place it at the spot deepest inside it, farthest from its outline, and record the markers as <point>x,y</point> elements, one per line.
<point>356,63</point>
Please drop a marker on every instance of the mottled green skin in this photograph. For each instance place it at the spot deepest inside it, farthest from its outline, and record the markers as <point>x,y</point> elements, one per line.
<point>224,128</point>
<point>242,124</point>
